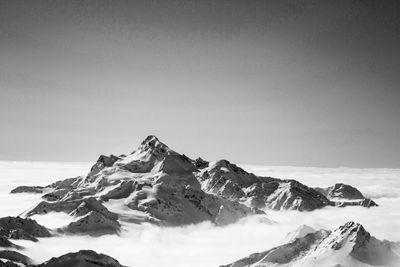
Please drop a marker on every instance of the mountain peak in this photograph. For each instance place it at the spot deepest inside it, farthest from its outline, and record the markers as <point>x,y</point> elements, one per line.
<point>355,231</point>
<point>153,143</point>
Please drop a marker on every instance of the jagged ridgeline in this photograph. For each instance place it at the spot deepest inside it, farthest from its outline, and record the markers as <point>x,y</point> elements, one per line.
<point>348,245</point>
<point>164,187</point>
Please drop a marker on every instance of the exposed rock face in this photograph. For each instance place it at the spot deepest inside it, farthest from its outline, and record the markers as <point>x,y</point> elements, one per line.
<point>200,163</point>
<point>86,258</point>
<point>8,264</point>
<point>348,245</point>
<point>19,228</point>
<point>28,189</point>
<point>93,223</point>
<point>5,243</point>
<point>92,217</point>
<point>14,256</point>
<point>345,195</point>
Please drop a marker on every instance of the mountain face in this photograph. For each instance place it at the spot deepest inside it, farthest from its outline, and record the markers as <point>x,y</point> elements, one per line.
<point>348,245</point>
<point>168,188</point>
<point>228,180</point>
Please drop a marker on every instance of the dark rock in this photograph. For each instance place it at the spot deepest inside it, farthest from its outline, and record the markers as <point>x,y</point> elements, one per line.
<point>77,207</point>
<point>82,258</point>
<point>14,256</point>
<point>342,195</point>
<point>93,223</point>
<point>19,228</point>
<point>4,242</point>
<point>28,189</point>
<point>123,190</point>
<point>201,163</point>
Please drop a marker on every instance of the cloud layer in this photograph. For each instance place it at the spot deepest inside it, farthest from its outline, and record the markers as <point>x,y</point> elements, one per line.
<point>205,244</point>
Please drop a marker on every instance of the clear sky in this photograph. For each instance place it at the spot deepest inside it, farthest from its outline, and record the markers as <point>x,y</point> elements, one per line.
<point>308,83</point>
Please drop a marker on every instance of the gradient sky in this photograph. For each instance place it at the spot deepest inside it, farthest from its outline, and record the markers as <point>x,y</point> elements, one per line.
<point>308,83</point>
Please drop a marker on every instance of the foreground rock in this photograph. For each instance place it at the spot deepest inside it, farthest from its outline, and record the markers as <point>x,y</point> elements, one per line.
<point>82,258</point>
<point>164,187</point>
<point>20,228</point>
<point>348,245</point>
<point>14,257</point>
<point>86,258</point>
<point>91,216</point>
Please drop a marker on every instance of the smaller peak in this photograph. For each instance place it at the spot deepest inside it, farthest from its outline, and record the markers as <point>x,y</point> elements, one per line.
<point>300,232</point>
<point>201,163</point>
<point>152,142</point>
<point>352,227</point>
<point>223,163</point>
<point>151,137</point>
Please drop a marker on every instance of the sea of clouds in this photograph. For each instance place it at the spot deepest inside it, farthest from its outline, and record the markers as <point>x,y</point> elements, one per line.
<point>204,244</point>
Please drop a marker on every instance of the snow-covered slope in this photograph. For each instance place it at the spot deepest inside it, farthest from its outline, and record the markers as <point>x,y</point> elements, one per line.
<point>348,245</point>
<point>301,231</point>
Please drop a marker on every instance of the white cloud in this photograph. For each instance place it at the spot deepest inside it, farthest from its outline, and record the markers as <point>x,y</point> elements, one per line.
<point>204,244</point>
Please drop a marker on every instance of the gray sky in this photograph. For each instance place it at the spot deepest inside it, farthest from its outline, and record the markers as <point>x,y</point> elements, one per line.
<point>262,82</point>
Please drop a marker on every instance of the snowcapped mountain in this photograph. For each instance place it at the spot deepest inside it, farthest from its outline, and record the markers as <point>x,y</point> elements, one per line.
<point>159,185</point>
<point>157,182</point>
<point>348,245</point>
<point>228,180</point>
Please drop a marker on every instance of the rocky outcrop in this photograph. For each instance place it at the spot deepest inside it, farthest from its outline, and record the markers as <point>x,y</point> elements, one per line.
<point>17,228</point>
<point>5,243</point>
<point>20,228</point>
<point>201,163</point>
<point>82,258</point>
<point>28,189</point>
<point>14,257</point>
<point>93,223</point>
<point>92,217</point>
<point>342,195</point>
<point>87,258</point>
<point>8,264</point>
<point>350,242</point>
